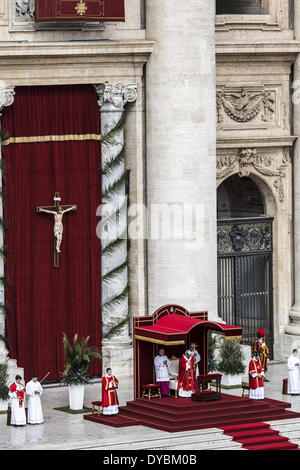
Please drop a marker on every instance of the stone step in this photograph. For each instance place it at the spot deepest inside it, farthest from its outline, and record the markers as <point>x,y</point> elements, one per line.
<point>206,439</point>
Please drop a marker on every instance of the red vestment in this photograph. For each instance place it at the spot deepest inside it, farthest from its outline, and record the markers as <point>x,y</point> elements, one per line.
<point>109,392</point>
<point>255,367</point>
<point>186,376</point>
<point>19,389</point>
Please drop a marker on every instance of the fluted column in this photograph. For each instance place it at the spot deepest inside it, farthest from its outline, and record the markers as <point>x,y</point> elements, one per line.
<point>116,349</point>
<point>294,325</point>
<point>181,154</point>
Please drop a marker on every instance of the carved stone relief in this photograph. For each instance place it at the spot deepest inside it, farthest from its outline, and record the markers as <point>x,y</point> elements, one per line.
<point>246,161</point>
<point>245,105</point>
<point>25,8</point>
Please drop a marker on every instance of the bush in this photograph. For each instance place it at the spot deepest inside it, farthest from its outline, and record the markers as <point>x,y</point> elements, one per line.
<point>78,358</point>
<point>231,358</point>
<point>3,382</point>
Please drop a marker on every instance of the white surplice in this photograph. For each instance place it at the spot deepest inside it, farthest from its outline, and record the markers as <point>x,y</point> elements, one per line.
<point>293,375</point>
<point>18,415</point>
<point>35,412</point>
<point>162,370</point>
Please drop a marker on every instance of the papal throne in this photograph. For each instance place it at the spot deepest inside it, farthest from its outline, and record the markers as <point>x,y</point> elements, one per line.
<point>173,373</point>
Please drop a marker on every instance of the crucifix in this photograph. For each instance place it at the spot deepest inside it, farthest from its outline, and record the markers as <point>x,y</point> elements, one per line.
<point>57,211</point>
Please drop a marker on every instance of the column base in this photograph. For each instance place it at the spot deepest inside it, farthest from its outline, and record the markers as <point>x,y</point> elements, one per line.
<point>119,357</point>
<point>293,328</point>
<point>288,343</point>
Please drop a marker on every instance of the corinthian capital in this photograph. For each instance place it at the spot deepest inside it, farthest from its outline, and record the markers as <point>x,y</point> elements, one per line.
<point>6,96</point>
<point>116,93</point>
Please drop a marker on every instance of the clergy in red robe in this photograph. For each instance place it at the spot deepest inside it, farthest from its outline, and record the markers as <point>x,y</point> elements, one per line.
<point>256,378</point>
<point>110,400</point>
<point>186,376</point>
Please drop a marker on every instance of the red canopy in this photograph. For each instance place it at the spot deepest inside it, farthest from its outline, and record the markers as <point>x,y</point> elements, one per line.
<point>172,329</point>
<point>175,328</point>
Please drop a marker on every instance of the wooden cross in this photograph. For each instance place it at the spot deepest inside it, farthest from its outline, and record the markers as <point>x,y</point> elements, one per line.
<point>57,211</point>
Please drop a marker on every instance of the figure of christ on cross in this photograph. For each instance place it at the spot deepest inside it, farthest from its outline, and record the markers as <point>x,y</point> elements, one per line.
<point>57,211</point>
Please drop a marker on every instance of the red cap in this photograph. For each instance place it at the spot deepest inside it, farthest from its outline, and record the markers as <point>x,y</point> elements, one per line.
<point>261,332</point>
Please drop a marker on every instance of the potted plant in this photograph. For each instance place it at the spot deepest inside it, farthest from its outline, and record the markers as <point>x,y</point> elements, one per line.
<point>4,396</point>
<point>78,358</point>
<point>230,362</point>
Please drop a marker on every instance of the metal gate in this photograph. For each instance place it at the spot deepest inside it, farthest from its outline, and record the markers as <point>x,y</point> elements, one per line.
<point>245,283</point>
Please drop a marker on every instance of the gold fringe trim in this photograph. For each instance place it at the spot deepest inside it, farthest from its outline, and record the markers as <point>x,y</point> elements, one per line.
<point>232,337</point>
<point>50,138</point>
<point>156,341</point>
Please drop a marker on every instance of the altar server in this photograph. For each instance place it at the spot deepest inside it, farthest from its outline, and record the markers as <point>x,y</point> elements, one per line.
<point>110,400</point>
<point>256,382</point>
<point>293,374</point>
<point>34,391</point>
<point>17,401</point>
<point>262,349</point>
<point>186,376</point>
<point>162,364</point>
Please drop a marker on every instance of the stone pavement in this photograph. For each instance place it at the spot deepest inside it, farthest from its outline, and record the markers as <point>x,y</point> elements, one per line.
<point>62,431</point>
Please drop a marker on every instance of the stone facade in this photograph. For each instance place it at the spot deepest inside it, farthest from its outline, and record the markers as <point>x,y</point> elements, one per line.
<point>214,99</point>
<point>256,131</point>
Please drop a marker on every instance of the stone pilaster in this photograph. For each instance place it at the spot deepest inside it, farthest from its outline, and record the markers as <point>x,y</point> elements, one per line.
<point>117,350</point>
<point>181,154</point>
<point>6,99</point>
<point>294,325</point>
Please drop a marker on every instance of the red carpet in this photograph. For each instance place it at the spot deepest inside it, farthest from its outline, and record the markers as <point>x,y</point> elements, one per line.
<point>259,436</point>
<point>182,414</point>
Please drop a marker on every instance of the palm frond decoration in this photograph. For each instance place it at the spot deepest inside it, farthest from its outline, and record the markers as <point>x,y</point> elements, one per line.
<point>112,164</point>
<point>109,249</point>
<point>5,341</point>
<point>3,223</point>
<point>113,218</point>
<point>78,358</point>
<point>3,226</point>
<point>114,272</point>
<point>116,329</point>
<point>3,135</point>
<point>3,309</point>
<point>116,300</point>
<point>108,139</point>
<point>111,190</point>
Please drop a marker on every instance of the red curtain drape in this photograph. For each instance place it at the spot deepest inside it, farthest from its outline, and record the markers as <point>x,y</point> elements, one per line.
<point>43,301</point>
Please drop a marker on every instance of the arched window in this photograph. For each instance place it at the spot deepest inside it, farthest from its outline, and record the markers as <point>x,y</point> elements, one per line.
<point>239,198</point>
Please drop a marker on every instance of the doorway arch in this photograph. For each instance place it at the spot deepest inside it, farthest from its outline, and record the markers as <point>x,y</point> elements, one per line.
<point>246,208</point>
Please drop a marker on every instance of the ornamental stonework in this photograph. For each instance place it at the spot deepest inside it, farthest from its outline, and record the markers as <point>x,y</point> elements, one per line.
<point>237,237</point>
<point>244,105</point>
<point>247,161</point>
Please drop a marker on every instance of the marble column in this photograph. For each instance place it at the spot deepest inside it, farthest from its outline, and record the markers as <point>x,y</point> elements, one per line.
<point>6,99</point>
<point>294,325</point>
<point>181,155</point>
<point>116,350</point>
<point>7,94</point>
